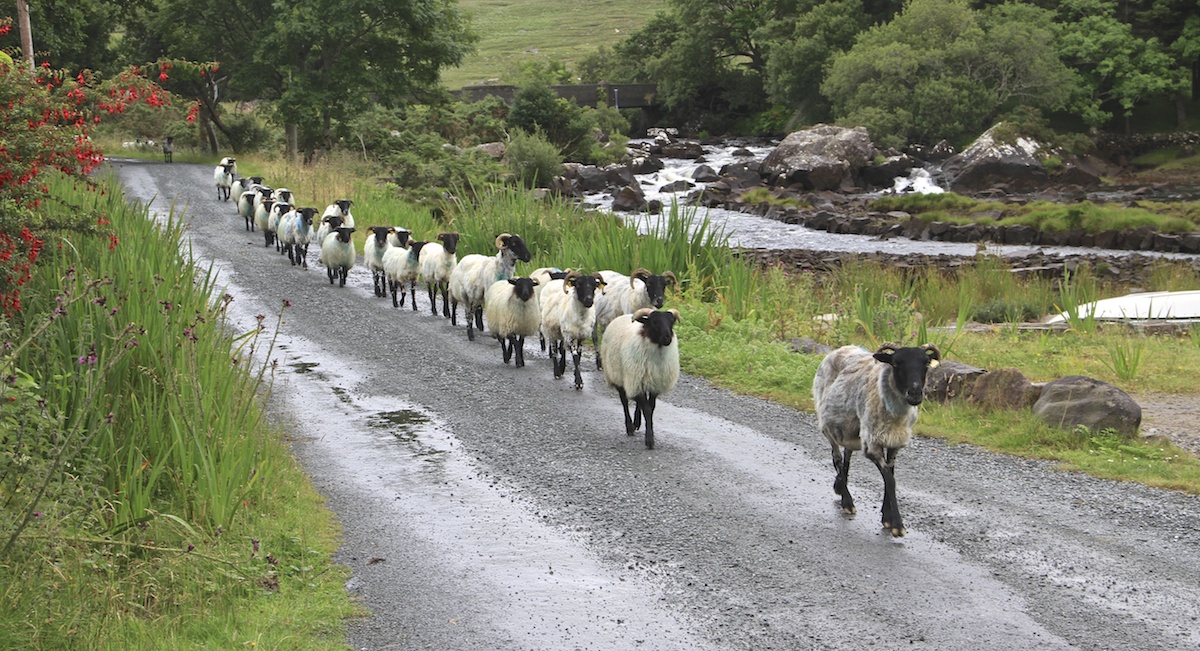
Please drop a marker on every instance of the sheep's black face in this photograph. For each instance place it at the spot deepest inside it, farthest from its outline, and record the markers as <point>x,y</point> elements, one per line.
<point>523,287</point>
<point>656,288</point>
<point>343,205</point>
<point>380,234</point>
<point>402,236</point>
<point>515,244</point>
<point>344,233</point>
<point>585,289</point>
<point>265,191</point>
<point>909,367</point>
<point>450,242</point>
<point>286,195</point>
<point>414,248</point>
<point>658,327</point>
<point>334,221</point>
<point>306,215</point>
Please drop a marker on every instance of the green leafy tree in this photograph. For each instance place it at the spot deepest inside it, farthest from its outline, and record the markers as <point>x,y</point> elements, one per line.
<point>74,35</point>
<point>940,69</point>
<point>795,68</point>
<point>1118,68</point>
<point>318,62</point>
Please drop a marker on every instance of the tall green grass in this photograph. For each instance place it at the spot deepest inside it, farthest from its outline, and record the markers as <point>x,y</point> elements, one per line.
<point>144,502</point>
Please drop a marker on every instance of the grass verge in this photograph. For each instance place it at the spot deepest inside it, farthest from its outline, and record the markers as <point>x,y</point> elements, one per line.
<point>145,502</point>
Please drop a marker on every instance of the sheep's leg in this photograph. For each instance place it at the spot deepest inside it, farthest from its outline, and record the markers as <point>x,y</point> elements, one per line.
<point>596,346</point>
<point>454,313</point>
<point>392,284</point>
<point>445,288</point>
<point>576,355</point>
<point>890,509</point>
<point>841,463</point>
<point>329,272</point>
<point>342,273</point>
<point>432,289</point>
<point>470,324</point>
<point>267,238</point>
<point>558,355</point>
<point>519,344</point>
<point>479,317</point>
<point>412,289</point>
<point>637,415</point>
<point>647,404</point>
<point>629,427</point>
<point>506,347</point>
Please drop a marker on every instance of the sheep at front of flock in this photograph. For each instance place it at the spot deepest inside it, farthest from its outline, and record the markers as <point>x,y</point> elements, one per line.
<point>513,312</point>
<point>641,361</point>
<point>568,317</point>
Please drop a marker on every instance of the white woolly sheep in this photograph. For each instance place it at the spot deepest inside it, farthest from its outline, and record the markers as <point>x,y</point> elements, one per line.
<point>375,246</point>
<point>641,359</point>
<point>262,217</point>
<point>544,275</point>
<point>241,185</point>
<point>475,273</point>
<point>295,234</point>
<point>338,254</point>
<point>513,313</point>
<point>401,266</point>
<point>231,162</point>
<point>223,178</point>
<point>169,150</point>
<point>626,295</point>
<point>868,401</point>
<point>438,260</point>
<point>329,224</point>
<point>341,208</point>
<point>277,210</point>
<point>568,316</point>
<point>246,203</point>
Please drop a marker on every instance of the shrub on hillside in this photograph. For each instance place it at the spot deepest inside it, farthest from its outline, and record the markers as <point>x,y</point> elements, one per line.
<point>533,159</point>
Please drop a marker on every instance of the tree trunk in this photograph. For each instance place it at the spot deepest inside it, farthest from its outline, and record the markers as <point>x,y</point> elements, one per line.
<point>292,136</point>
<point>26,33</point>
<point>207,134</point>
<point>1181,121</point>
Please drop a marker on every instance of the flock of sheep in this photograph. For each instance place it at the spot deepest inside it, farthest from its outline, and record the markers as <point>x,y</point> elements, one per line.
<point>864,401</point>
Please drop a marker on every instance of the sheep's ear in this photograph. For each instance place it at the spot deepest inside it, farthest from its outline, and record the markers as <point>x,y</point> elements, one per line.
<point>674,313</point>
<point>512,281</point>
<point>535,282</point>
<point>935,355</point>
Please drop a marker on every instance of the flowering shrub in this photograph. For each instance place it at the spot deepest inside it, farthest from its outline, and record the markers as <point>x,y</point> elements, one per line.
<point>46,119</point>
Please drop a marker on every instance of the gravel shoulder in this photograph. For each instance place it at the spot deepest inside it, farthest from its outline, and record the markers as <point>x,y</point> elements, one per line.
<point>490,507</point>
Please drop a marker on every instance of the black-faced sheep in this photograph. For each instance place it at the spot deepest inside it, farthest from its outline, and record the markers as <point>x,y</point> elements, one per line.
<point>513,313</point>
<point>338,254</point>
<point>568,316</point>
<point>626,295</point>
<point>374,248</point>
<point>296,233</point>
<point>401,266</point>
<point>475,273</point>
<point>169,150</point>
<point>341,208</point>
<point>544,275</point>
<point>868,401</point>
<point>438,260</point>
<point>641,359</point>
<point>223,178</point>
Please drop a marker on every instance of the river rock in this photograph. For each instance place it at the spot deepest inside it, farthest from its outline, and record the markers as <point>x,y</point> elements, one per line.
<point>1078,400</point>
<point>494,149</point>
<point>618,175</point>
<point>823,157</point>
<point>989,163</point>
<point>883,173</point>
<point>704,174</point>
<point>682,185</point>
<point>741,175</point>
<point>629,198</point>
<point>685,150</point>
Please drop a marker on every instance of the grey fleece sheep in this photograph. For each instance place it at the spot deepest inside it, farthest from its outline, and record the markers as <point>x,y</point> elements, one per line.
<point>868,401</point>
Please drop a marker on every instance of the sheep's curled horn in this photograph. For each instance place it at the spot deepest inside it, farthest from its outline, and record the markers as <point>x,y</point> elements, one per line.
<point>642,273</point>
<point>647,311</point>
<point>502,240</point>
<point>931,350</point>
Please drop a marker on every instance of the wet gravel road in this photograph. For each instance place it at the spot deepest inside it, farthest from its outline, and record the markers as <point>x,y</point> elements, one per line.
<point>487,507</point>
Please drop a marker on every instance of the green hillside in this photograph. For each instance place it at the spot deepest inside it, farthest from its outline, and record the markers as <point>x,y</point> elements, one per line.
<point>514,31</point>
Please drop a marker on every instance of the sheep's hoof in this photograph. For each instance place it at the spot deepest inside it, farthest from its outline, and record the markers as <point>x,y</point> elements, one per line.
<point>897,532</point>
<point>849,510</point>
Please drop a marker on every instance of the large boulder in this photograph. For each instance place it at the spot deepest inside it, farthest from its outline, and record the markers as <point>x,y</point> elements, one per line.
<point>823,157</point>
<point>951,380</point>
<point>989,163</point>
<point>630,199</point>
<point>1078,400</point>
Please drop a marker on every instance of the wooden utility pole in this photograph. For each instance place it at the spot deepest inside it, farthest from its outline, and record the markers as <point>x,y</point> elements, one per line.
<point>26,34</point>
